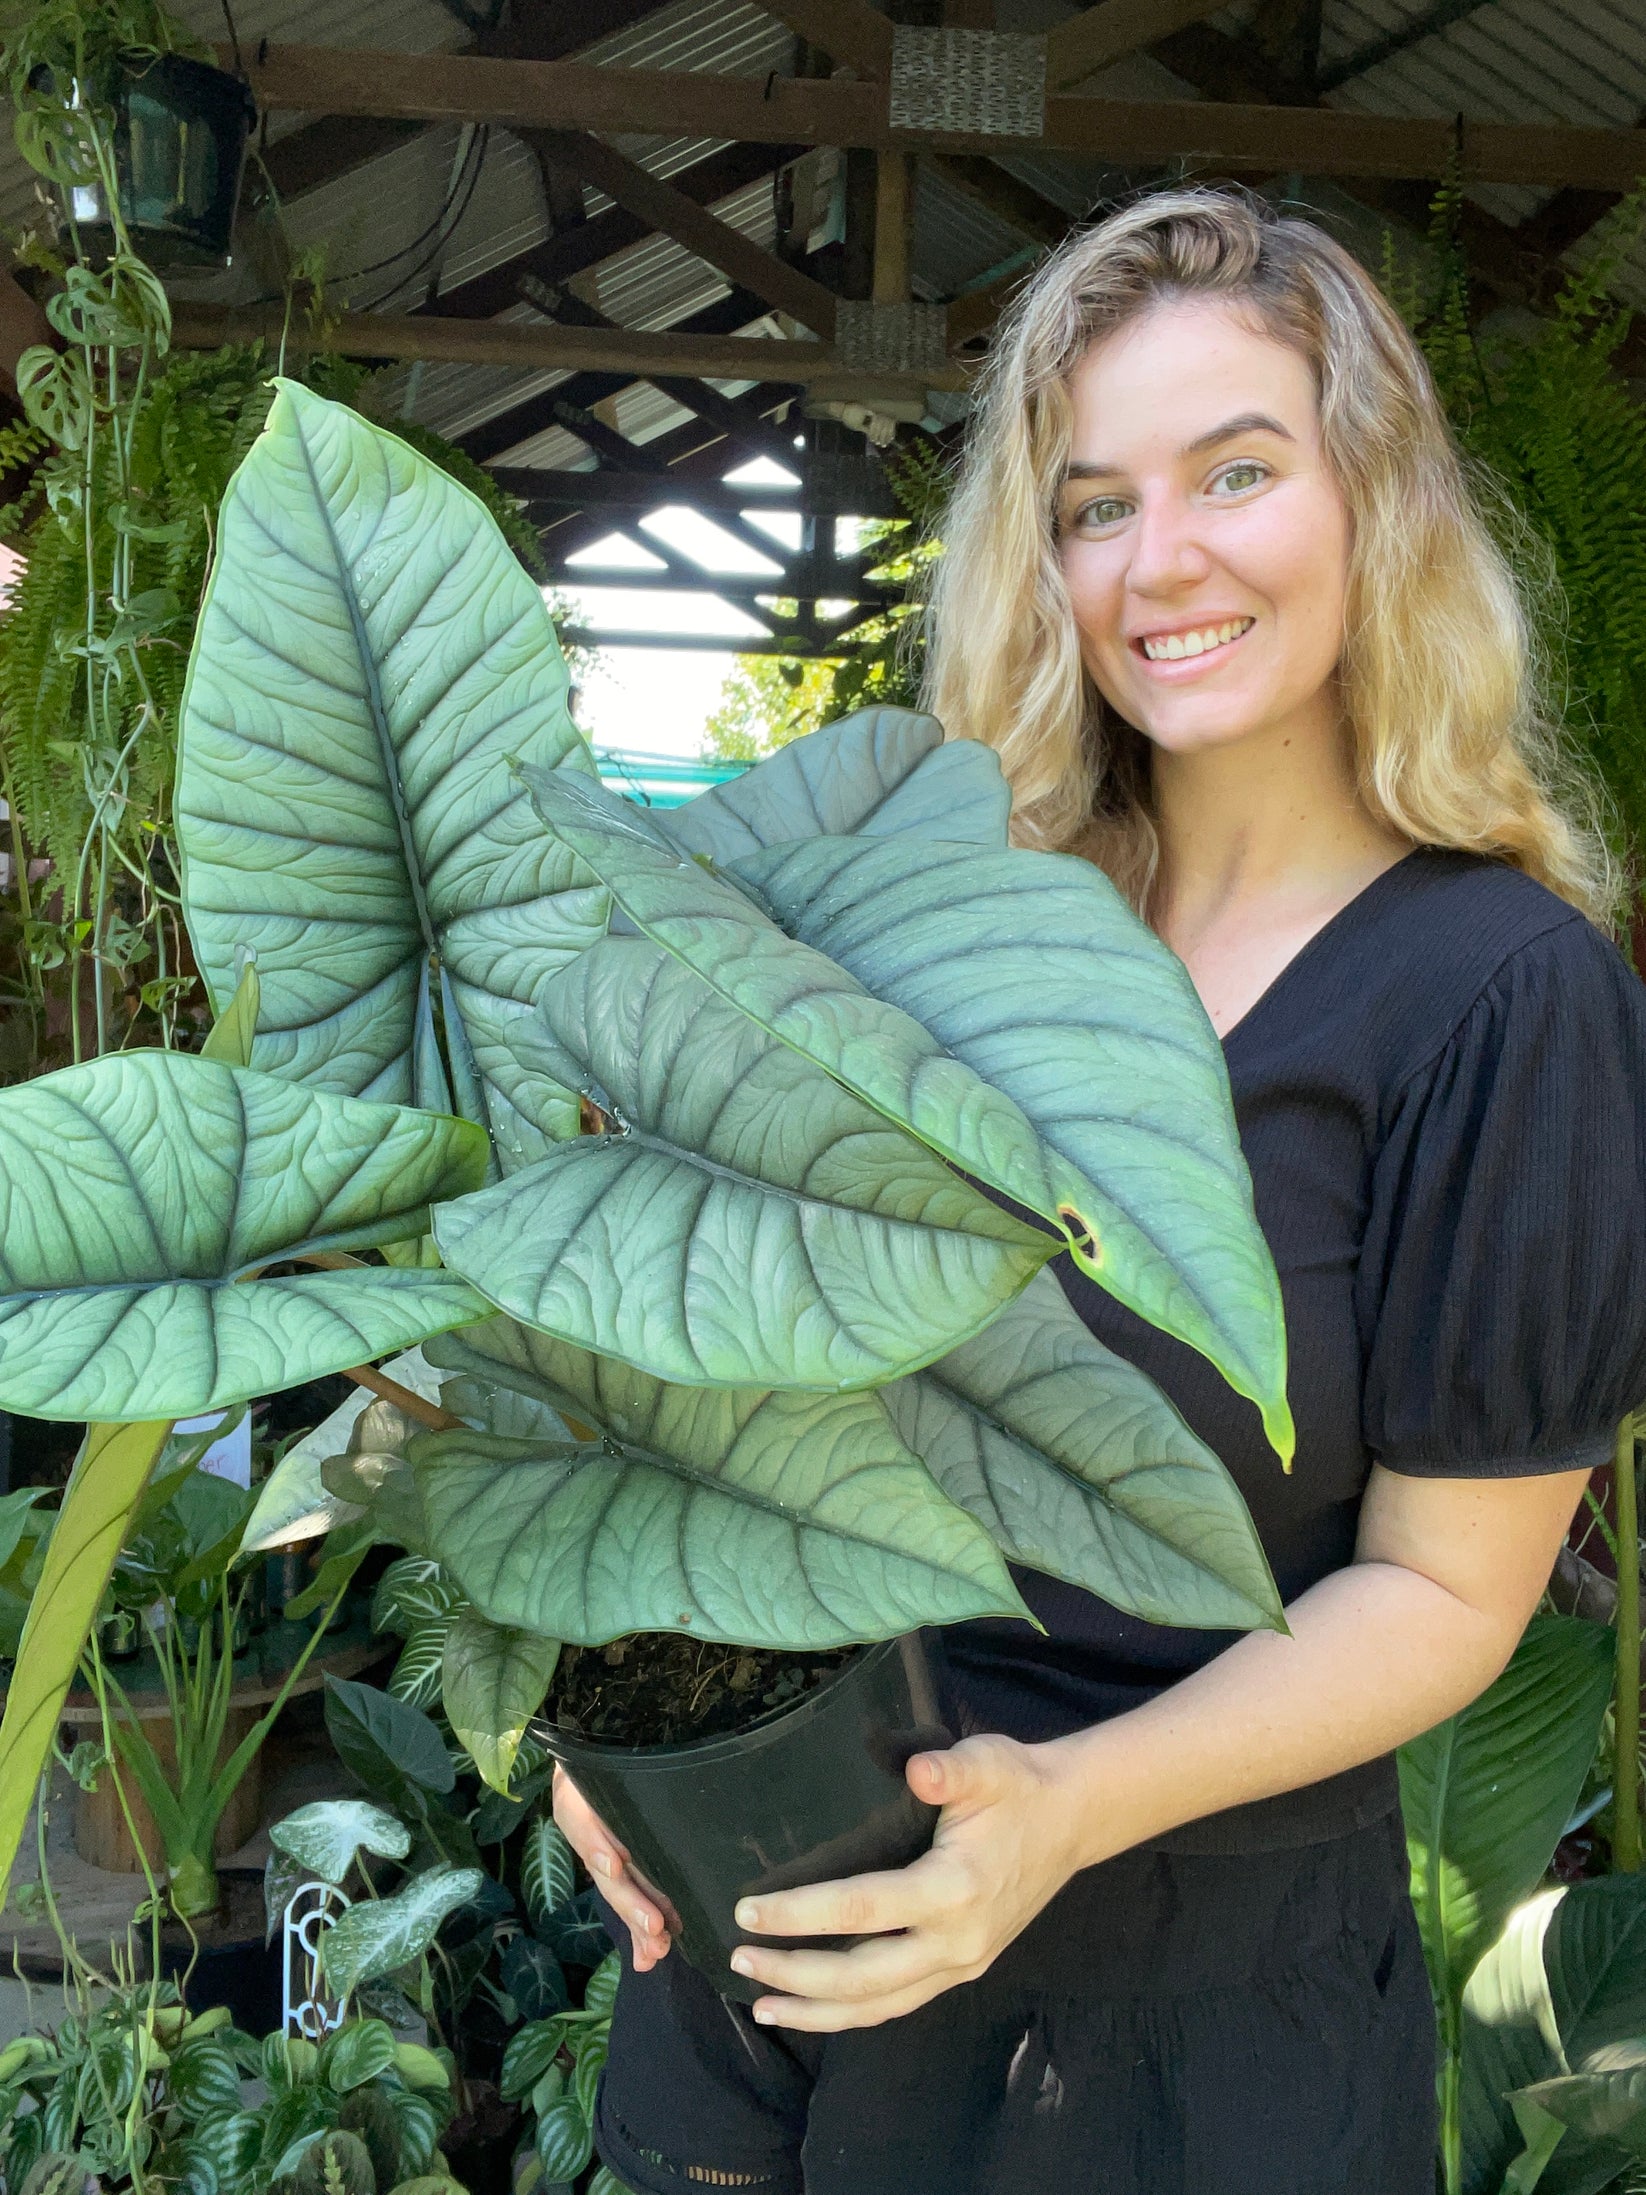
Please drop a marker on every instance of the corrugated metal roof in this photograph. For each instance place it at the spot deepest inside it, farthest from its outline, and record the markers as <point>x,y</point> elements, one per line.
<point>1557,60</point>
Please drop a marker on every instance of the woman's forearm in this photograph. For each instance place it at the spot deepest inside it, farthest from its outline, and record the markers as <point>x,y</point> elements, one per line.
<point>1377,1654</point>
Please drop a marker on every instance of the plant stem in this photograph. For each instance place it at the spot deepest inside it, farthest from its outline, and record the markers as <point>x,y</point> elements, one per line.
<point>426,1413</point>
<point>1451,2105</point>
<point>1626,1709</point>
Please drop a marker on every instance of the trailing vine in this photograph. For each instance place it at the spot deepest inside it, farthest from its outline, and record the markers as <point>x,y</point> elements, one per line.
<point>131,448</point>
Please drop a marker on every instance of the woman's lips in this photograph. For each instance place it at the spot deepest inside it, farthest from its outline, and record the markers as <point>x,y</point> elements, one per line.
<point>1202,648</point>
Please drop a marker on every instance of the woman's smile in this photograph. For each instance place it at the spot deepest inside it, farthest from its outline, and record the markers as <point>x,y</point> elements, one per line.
<point>1179,652</point>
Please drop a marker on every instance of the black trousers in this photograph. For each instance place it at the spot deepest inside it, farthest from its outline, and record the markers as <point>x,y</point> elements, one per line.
<point>1239,2024</point>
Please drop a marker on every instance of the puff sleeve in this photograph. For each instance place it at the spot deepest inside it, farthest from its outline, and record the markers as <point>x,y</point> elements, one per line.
<point>1502,1288</point>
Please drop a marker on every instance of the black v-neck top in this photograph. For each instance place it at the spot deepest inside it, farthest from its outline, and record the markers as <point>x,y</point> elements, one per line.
<point>1442,1101</point>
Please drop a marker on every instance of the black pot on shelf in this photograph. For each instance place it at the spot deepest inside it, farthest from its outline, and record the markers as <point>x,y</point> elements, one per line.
<point>233,1966</point>
<point>808,1793</point>
<point>181,128</point>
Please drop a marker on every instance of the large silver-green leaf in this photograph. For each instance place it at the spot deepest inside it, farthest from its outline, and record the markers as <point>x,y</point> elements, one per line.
<point>1487,1793</point>
<point>1079,1466</point>
<point>369,656</point>
<point>804,1000</point>
<point>1032,969</point>
<point>754,1224</point>
<point>1217,1287</point>
<point>785,1520</point>
<point>1562,1985</point>
<point>880,772</point>
<point>139,1192</point>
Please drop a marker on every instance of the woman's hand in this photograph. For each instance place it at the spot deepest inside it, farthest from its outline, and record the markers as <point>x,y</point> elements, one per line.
<point>609,1863</point>
<point>1006,1843</point>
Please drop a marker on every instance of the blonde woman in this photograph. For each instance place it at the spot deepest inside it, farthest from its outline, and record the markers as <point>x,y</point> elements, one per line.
<point>1216,591</point>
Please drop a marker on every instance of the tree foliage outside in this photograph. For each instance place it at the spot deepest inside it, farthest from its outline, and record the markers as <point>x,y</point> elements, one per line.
<point>769,700</point>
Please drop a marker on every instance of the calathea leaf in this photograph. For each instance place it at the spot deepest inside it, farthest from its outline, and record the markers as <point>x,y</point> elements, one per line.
<point>492,1682</point>
<point>548,1870</point>
<point>880,772</point>
<point>139,1192</point>
<point>1487,1793</point>
<point>763,1519</point>
<point>1079,1466</point>
<point>1031,968</point>
<point>368,656</point>
<point>753,1224</point>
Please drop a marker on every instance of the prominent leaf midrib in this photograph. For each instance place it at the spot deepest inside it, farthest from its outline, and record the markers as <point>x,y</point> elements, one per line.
<point>804,1199</point>
<point>635,1454</point>
<point>373,688</point>
<point>656,927</point>
<point>1085,1486</point>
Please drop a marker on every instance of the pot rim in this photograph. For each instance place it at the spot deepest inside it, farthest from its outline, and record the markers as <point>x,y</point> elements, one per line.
<point>568,1746</point>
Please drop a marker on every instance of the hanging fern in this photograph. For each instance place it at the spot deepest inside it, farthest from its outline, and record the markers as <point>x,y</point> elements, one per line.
<point>193,423</point>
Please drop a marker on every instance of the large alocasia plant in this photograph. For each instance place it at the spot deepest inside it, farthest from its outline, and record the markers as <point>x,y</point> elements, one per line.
<point>716,1158</point>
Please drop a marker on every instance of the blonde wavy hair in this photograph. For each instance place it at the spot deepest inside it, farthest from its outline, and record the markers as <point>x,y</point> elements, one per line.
<point>1440,675</point>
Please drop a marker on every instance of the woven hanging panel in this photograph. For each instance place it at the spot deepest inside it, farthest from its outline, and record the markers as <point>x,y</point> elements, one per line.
<point>879,338</point>
<point>973,83</point>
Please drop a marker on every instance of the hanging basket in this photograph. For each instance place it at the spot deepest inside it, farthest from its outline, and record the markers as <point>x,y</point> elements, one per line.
<point>179,147</point>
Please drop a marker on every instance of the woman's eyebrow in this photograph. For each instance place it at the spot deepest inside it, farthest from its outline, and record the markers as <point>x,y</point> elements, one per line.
<point>1242,423</point>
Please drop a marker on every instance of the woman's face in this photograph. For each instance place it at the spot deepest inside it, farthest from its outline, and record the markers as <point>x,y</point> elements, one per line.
<point>1204,541</point>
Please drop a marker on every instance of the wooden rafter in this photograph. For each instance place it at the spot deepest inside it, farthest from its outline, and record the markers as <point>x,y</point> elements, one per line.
<point>670,210</point>
<point>559,258</point>
<point>848,31</point>
<point>1113,30</point>
<point>541,345</point>
<point>575,95</point>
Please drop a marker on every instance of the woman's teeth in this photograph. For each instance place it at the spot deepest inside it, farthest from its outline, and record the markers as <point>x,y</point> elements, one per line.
<point>1170,646</point>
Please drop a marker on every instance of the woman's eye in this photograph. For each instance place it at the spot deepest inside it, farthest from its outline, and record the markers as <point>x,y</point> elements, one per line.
<point>1235,479</point>
<point>1102,510</point>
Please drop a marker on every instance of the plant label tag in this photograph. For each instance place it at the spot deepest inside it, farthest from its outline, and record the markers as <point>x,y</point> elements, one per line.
<point>230,1457</point>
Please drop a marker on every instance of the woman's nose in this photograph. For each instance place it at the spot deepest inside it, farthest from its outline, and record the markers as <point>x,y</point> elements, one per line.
<point>1166,553</point>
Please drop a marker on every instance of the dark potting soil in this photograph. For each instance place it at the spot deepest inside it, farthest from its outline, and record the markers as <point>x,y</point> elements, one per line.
<point>660,1688</point>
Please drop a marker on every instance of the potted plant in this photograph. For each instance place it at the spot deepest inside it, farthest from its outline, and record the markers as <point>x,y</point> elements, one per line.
<point>143,140</point>
<point>782,1113</point>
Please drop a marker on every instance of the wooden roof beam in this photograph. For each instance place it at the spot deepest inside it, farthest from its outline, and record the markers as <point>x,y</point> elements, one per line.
<point>558,258</point>
<point>664,207</point>
<point>575,95</point>
<point>540,345</point>
<point>1109,32</point>
<point>850,32</point>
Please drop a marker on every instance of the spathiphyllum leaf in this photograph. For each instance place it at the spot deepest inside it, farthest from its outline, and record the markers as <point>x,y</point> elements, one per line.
<point>1079,1466</point>
<point>136,1195</point>
<point>368,657</point>
<point>880,772</point>
<point>785,1520</point>
<point>1032,969</point>
<point>755,1224</point>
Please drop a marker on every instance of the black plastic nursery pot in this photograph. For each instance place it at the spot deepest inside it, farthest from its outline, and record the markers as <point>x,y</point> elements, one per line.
<point>232,1966</point>
<point>181,128</point>
<point>808,1793</point>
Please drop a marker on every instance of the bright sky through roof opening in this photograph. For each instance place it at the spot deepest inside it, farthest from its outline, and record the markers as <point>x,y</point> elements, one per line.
<point>658,700</point>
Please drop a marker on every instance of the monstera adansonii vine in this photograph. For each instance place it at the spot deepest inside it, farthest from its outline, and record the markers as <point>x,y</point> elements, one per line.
<point>745,1135</point>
